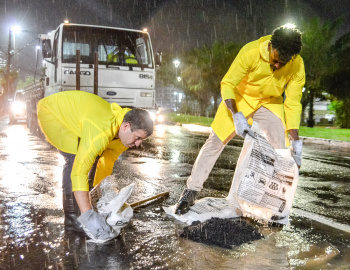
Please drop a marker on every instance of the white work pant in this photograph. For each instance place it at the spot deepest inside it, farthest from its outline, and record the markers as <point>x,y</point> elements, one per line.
<point>269,124</point>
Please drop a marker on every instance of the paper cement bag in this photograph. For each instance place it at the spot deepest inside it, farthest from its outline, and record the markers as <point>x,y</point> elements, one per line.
<point>265,180</point>
<point>111,203</point>
<point>204,209</point>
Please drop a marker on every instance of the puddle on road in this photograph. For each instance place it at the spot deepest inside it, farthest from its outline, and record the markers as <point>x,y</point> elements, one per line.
<point>37,241</point>
<point>33,237</point>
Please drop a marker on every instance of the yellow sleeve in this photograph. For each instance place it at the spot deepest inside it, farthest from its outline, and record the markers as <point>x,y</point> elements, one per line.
<point>238,70</point>
<point>92,144</point>
<point>106,161</point>
<point>292,105</point>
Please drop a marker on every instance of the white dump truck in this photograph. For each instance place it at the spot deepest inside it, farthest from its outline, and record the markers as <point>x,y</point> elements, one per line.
<point>114,63</point>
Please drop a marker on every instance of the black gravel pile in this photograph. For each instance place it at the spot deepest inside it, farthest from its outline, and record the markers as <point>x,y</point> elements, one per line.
<point>221,232</point>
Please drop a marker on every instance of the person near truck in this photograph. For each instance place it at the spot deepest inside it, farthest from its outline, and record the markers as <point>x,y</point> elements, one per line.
<point>84,128</point>
<point>122,55</point>
<point>264,84</point>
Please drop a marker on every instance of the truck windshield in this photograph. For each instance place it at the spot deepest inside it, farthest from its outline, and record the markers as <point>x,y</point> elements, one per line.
<point>115,47</point>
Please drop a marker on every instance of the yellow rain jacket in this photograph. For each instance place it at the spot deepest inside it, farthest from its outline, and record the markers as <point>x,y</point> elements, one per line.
<point>252,83</point>
<point>85,125</point>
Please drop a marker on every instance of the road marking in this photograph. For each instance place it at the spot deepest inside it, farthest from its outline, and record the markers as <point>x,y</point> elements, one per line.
<point>323,220</point>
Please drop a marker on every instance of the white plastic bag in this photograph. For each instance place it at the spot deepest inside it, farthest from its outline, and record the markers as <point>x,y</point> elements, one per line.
<point>111,203</point>
<point>265,180</point>
<point>205,209</point>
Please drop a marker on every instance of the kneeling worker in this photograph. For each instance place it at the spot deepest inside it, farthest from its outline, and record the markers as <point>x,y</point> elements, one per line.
<point>83,127</point>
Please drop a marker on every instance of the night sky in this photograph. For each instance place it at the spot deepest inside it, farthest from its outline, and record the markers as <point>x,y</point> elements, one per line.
<point>174,25</point>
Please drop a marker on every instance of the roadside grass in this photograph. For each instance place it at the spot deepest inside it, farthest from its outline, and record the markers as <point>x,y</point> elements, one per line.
<point>330,133</point>
<point>189,119</point>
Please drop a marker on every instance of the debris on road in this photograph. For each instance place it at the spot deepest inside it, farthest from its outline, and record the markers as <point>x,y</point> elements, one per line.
<point>221,232</point>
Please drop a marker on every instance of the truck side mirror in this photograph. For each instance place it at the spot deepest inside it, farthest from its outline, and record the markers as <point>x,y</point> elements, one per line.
<point>46,48</point>
<point>158,59</point>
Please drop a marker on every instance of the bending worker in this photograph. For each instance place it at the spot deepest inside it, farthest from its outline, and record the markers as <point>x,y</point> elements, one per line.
<point>83,126</point>
<point>252,90</point>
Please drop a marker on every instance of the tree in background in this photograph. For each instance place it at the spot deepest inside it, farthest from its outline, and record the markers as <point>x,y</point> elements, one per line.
<point>165,74</point>
<point>12,79</point>
<point>21,84</point>
<point>204,69</point>
<point>338,80</point>
<point>317,42</point>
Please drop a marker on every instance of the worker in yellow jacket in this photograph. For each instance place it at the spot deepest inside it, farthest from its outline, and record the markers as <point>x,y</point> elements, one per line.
<point>84,128</point>
<point>252,90</point>
<point>122,55</point>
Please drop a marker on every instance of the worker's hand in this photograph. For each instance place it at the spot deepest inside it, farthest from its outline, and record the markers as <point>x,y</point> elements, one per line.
<point>297,148</point>
<point>95,225</point>
<point>241,125</point>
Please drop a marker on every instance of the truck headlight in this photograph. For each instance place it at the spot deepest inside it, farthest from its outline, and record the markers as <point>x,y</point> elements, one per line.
<point>18,107</point>
<point>160,118</point>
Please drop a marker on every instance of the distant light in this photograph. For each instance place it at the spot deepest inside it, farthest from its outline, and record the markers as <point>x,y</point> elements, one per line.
<point>160,118</point>
<point>176,63</point>
<point>16,29</point>
<point>37,47</point>
<point>289,25</point>
<point>197,128</point>
<point>179,79</point>
<point>66,21</point>
<point>18,108</point>
<point>145,30</point>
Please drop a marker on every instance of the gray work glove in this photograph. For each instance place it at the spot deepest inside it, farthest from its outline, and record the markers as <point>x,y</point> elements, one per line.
<point>95,225</point>
<point>241,125</point>
<point>297,148</point>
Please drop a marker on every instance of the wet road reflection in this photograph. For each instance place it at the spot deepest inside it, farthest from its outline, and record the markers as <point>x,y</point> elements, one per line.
<point>31,220</point>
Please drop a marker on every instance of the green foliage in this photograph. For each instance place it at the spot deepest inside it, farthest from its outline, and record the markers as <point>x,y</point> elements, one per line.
<point>21,84</point>
<point>317,38</point>
<point>316,132</point>
<point>204,69</point>
<point>338,78</point>
<point>341,108</point>
<point>317,42</point>
<point>190,119</point>
<point>326,133</point>
<point>166,72</point>
<point>12,78</point>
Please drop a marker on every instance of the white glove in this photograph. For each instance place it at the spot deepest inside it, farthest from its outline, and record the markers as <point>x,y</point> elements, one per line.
<point>241,125</point>
<point>297,148</point>
<point>95,225</point>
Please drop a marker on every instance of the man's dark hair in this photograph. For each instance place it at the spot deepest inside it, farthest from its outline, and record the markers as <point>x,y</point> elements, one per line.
<point>139,119</point>
<point>287,41</point>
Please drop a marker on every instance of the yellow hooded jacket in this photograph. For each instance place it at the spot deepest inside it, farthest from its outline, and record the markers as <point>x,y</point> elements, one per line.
<point>252,83</point>
<point>85,125</point>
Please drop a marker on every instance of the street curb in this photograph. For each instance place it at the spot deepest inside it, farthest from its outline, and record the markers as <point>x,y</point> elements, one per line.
<point>328,142</point>
<point>307,140</point>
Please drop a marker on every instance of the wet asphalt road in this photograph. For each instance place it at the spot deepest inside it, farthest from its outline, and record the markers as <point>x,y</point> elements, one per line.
<point>31,221</point>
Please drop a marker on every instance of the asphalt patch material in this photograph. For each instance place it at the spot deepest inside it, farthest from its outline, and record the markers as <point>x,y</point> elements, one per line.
<point>221,232</point>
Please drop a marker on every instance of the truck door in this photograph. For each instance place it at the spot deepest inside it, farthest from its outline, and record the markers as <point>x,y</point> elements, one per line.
<point>55,54</point>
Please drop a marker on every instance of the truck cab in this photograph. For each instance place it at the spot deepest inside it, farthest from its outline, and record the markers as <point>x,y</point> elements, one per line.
<point>126,63</point>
